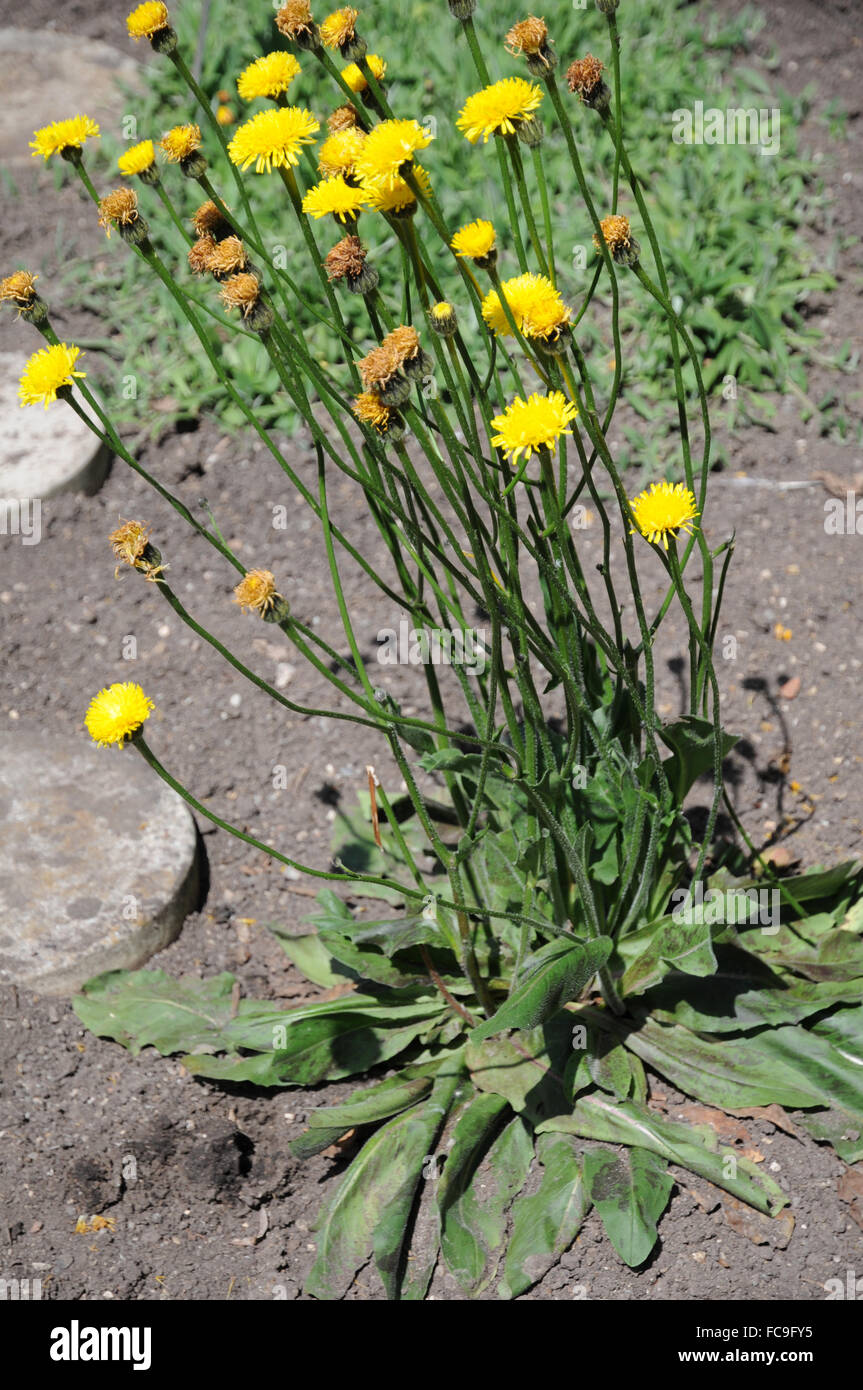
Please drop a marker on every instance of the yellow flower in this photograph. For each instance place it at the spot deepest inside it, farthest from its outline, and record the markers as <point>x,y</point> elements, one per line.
<point>537,423</point>
<point>116,712</point>
<point>269,76</point>
<point>338,154</point>
<point>335,196</point>
<point>663,509</point>
<point>137,159</point>
<point>256,593</point>
<point>63,135</point>
<point>387,148</point>
<point>396,198</point>
<point>356,78</point>
<point>369,408</point>
<point>180,142</point>
<point>475,240</point>
<point>46,371</point>
<point>273,138</point>
<point>535,304</point>
<point>498,108</point>
<point>339,27</point>
<point>147,20</point>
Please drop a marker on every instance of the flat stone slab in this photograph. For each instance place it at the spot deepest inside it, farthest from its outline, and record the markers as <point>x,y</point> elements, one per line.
<point>43,452</point>
<point>98,861</point>
<point>48,77</point>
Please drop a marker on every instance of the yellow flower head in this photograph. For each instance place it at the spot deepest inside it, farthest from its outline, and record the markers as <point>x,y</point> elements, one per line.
<point>147,20</point>
<point>537,423</point>
<point>387,148</point>
<point>63,135</point>
<point>662,510</point>
<point>180,142</point>
<point>137,159</point>
<point>118,209</point>
<point>19,288</point>
<point>369,408</point>
<point>535,304</point>
<point>256,593</point>
<point>269,76</point>
<point>356,78</point>
<point>344,200</point>
<point>273,138</point>
<point>475,240</point>
<point>339,152</point>
<point>116,712</point>
<point>398,196</point>
<point>339,28</point>
<point>46,371</point>
<point>498,108</point>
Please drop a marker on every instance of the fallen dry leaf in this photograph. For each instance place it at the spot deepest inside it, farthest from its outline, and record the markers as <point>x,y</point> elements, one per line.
<point>772,1113</point>
<point>724,1125</point>
<point>755,1226</point>
<point>754,1155</point>
<point>850,1189</point>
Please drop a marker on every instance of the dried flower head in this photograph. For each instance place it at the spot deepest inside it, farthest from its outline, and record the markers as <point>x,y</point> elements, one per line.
<point>403,343</point>
<point>148,19</point>
<point>256,592</point>
<point>227,256</point>
<point>241,292</point>
<point>583,75</point>
<point>662,510</point>
<point>295,21</point>
<point>180,143</point>
<point>270,76</point>
<point>207,220</point>
<point>19,288</point>
<point>118,209</point>
<point>138,159</point>
<point>48,371</point>
<point>528,36</point>
<point>497,109</point>
<point>201,255</point>
<point>131,544</point>
<point>116,713</point>
<point>356,78</point>
<point>273,139</point>
<point>378,366</point>
<point>345,117</point>
<point>346,260</point>
<point>60,136</point>
<point>339,28</point>
<point>618,237</point>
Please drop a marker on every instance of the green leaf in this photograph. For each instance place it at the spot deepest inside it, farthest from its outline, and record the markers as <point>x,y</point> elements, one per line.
<point>369,1212</point>
<point>557,973</point>
<point>483,1172</point>
<point>329,1122</point>
<point>691,741</point>
<point>546,1223</point>
<point>147,1008</point>
<point>630,1191</point>
<point>309,954</point>
<point>613,1122</point>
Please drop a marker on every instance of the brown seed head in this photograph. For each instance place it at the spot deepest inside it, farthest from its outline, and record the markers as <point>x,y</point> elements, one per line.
<point>343,118</point>
<point>129,541</point>
<point>118,209</point>
<point>241,292</point>
<point>584,75</point>
<point>615,231</point>
<point>347,257</point>
<point>227,256</point>
<point>207,220</point>
<point>295,18</point>
<point>20,288</point>
<point>201,255</point>
<point>403,343</point>
<point>528,36</point>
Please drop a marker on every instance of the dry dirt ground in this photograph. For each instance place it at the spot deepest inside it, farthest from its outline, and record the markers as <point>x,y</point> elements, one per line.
<point>207,1202</point>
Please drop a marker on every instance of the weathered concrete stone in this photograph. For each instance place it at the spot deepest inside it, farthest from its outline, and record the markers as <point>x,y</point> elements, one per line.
<point>43,452</point>
<point>48,77</point>
<point>98,861</point>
